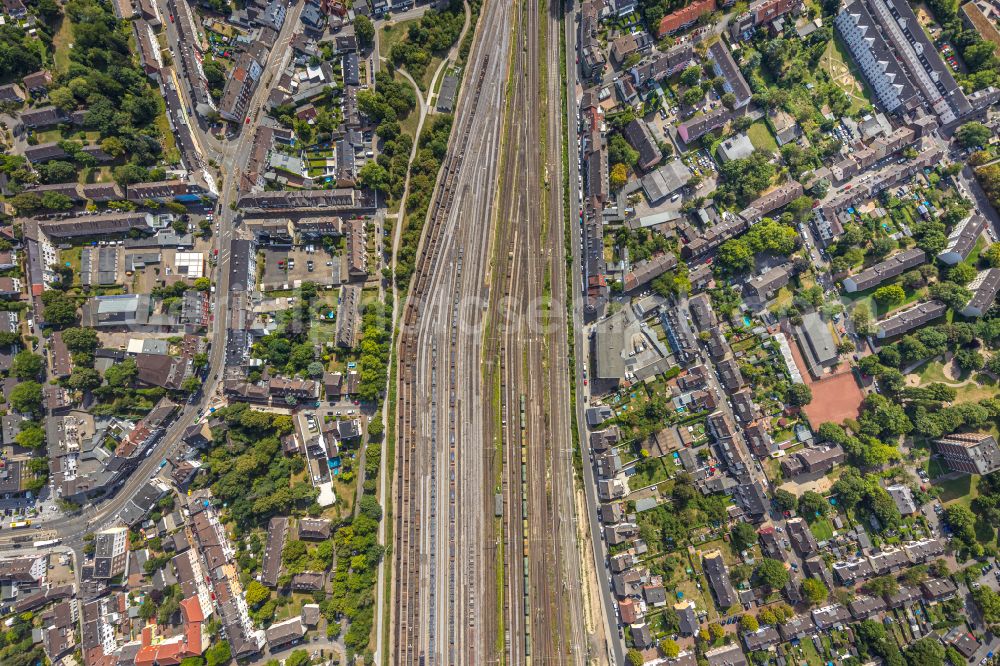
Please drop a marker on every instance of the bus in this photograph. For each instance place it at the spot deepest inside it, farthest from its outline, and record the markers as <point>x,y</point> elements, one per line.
<point>19,523</point>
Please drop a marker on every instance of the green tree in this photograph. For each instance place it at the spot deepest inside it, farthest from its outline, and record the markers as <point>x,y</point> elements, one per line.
<point>620,152</point>
<point>927,651</point>
<point>634,657</point>
<point>121,375</point>
<point>973,134</point>
<point>814,590</point>
<point>618,176</point>
<point>889,295</point>
<point>692,96</point>
<point>962,274</point>
<point>951,294</point>
<point>364,29</point>
<point>59,310</point>
<point>691,75</point>
<point>812,505</point>
<point>749,623</point>
<point>771,573</point>
<point>882,586</point>
<point>298,657</point>
<point>84,379</point>
<point>799,395</point>
<point>968,359</point>
<point>744,536</point>
<point>27,365</point>
<point>988,602</point>
<point>80,340</point>
<point>785,500</point>
<point>256,593</point>
<point>31,436</point>
<point>26,397</point>
<point>992,255</point>
<point>670,648</point>
<point>735,256</point>
<point>374,175</point>
<point>218,654</point>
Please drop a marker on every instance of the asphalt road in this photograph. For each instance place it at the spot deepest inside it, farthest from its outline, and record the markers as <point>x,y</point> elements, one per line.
<point>614,645</point>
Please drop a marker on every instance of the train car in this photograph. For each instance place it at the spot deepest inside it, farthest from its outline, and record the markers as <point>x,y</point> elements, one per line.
<point>19,523</point>
<point>47,543</point>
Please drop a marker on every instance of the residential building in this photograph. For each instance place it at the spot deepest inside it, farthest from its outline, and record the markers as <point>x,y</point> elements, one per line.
<point>718,579</point>
<point>902,496</point>
<point>972,453</point>
<point>637,133</point>
<point>726,67</point>
<point>962,239</point>
<point>685,17</point>
<point>898,60</point>
<point>984,290</point>
<point>645,271</point>
<point>875,275</point>
<point>110,552</point>
<point>761,288</point>
<point>812,461</point>
<point>911,318</point>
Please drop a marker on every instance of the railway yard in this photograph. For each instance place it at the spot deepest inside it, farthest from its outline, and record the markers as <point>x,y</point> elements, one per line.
<point>486,567</point>
<point>440,610</point>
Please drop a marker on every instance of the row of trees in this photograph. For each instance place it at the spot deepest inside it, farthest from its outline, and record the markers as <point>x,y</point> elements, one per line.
<point>432,147</point>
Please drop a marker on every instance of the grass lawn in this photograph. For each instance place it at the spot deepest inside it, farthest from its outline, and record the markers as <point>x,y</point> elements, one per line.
<point>61,43</point>
<point>822,529</point>
<point>983,386</point>
<point>48,136</point>
<point>648,472</point>
<point>835,62</point>
<point>425,81</point>
<point>959,491</point>
<point>72,257</point>
<point>973,258</point>
<point>806,653</point>
<point>933,371</point>
<point>392,33</point>
<point>760,137</point>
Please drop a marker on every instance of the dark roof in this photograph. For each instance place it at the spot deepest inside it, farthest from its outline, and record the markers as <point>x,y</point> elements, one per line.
<point>638,134</point>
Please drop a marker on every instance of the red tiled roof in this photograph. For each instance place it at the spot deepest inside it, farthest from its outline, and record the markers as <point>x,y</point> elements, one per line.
<point>685,16</point>
<point>145,656</point>
<point>191,610</point>
<point>193,640</point>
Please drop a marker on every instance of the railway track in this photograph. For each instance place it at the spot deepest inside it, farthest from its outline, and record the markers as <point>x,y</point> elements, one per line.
<point>539,526</point>
<point>440,607</point>
<point>490,252</point>
<point>408,538</point>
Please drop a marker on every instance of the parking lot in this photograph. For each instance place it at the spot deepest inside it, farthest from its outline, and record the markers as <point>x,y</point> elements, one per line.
<point>286,269</point>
